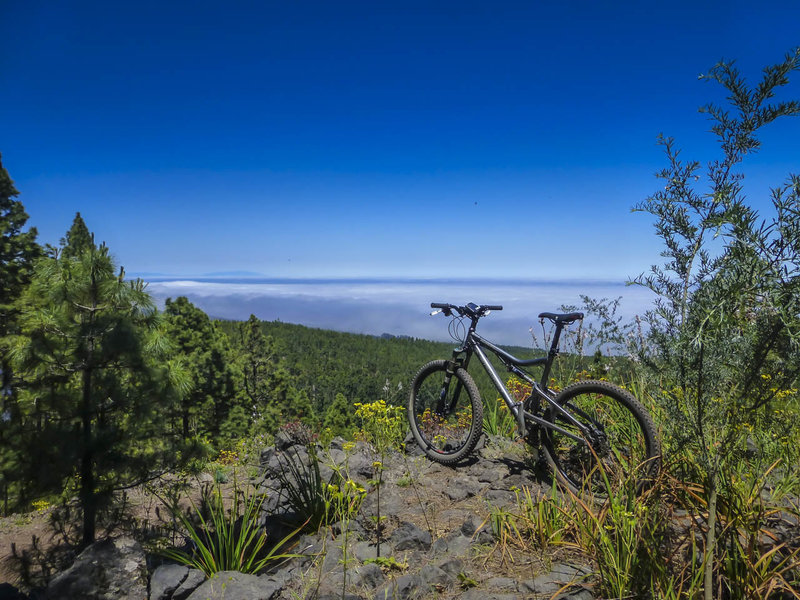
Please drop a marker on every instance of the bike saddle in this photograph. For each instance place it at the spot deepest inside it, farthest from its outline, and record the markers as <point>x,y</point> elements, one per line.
<point>561,317</point>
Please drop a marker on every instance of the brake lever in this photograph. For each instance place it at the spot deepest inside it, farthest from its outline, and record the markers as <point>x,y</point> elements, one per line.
<point>436,312</point>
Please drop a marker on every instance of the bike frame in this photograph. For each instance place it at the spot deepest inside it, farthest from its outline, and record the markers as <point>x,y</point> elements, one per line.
<point>475,344</point>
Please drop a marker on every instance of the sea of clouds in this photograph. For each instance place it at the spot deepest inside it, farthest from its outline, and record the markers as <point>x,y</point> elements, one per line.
<point>397,307</point>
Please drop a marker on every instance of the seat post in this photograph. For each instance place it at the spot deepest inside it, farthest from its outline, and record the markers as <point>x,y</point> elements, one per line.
<point>551,355</point>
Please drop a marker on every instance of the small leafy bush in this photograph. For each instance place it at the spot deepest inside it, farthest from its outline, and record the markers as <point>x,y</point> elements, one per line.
<point>382,425</point>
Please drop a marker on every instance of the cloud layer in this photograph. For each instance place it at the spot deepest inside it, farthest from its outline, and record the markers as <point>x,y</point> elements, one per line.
<point>396,307</point>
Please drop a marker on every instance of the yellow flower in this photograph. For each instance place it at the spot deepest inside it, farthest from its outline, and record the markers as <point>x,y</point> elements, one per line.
<point>352,486</point>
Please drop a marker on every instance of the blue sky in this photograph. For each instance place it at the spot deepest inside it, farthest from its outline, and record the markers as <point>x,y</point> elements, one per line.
<point>371,139</point>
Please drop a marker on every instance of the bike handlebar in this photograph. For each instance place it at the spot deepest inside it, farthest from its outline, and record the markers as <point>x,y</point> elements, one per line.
<point>471,310</point>
<point>440,305</point>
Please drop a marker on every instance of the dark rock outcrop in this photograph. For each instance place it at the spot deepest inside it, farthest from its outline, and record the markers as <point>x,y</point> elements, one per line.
<point>111,569</point>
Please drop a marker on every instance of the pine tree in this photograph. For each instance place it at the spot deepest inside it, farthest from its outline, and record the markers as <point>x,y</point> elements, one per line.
<point>18,250</point>
<point>297,407</point>
<point>257,359</point>
<point>236,426</point>
<point>258,363</point>
<point>78,239</point>
<point>93,357</point>
<point>270,387</point>
<point>340,416</point>
<point>209,363</point>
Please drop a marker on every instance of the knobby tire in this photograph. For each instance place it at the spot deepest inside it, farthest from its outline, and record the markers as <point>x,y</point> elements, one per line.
<point>626,452</point>
<point>445,436</point>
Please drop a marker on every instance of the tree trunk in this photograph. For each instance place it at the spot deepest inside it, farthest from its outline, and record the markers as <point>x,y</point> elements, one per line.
<point>87,495</point>
<point>185,421</point>
<point>5,373</point>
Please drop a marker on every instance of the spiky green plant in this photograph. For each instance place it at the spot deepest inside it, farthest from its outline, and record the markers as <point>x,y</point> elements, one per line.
<point>226,539</point>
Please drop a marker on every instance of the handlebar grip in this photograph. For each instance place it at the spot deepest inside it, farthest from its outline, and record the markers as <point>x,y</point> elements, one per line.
<point>439,305</point>
<point>493,307</point>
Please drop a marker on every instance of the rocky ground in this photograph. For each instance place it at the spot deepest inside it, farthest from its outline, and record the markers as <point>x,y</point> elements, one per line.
<point>437,538</point>
<point>436,541</point>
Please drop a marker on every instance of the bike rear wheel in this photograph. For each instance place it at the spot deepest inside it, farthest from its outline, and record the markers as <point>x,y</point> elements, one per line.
<point>621,447</point>
<point>445,412</point>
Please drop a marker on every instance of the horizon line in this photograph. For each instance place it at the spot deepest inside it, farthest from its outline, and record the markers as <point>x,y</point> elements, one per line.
<point>164,278</point>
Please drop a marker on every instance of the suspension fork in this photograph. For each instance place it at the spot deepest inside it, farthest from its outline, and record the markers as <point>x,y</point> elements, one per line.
<point>443,407</point>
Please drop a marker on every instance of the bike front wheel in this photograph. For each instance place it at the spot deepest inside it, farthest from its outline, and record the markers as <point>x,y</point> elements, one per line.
<point>613,443</point>
<point>445,412</point>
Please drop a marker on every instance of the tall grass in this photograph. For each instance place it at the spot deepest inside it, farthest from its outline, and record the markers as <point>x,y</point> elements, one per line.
<point>546,516</point>
<point>625,536</point>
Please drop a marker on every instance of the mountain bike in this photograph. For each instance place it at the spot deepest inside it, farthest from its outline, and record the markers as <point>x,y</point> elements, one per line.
<point>593,434</point>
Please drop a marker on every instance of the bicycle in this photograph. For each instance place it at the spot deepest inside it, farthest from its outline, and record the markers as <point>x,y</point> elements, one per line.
<point>593,434</point>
